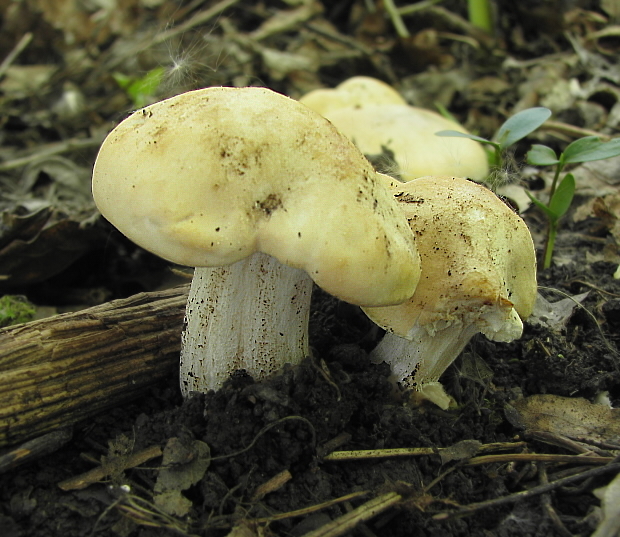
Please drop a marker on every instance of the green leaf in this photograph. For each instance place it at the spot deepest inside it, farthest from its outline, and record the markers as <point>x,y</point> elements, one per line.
<point>122,80</point>
<point>590,148</point>
<point>481,14</point>
<point>520,125</point>
<point>563,196</point>
<point>540,205</point>
<point>143,88</point>
<point>541,155</point>
<point>459,134</point>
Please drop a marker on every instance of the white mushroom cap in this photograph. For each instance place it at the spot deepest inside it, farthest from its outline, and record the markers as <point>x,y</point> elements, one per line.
<point>353,92</point>
<point>376,118</point>
<point>478,275</point>
<point>208,177</point>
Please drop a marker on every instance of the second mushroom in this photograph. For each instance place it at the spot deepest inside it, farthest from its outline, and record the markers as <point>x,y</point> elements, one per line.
<point>478,276</point>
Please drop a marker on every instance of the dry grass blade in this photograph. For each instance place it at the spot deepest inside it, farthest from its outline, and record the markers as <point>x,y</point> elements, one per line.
<point>364,512</point>
<point>312,508</point>
<point>101,472</point>
<point>536,491</point>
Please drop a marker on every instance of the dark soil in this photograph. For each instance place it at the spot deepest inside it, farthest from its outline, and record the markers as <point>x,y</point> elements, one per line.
<point>257,430</point>
<point>337,399</point>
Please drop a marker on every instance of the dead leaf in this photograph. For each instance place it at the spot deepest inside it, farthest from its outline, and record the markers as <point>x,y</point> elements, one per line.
<point>172,503</point>
<point>34,248</point>
<point>21,81</point>
<point>245,528</point>
<point>554,315</point>
<point>612,8</point>
<point>287,20</point>
<point>473,367</point>
<point>572,417</point>
<point>184,464</point>
<point>465,449</point>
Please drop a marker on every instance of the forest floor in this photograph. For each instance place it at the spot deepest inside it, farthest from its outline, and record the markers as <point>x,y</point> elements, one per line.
<point>253,459</point>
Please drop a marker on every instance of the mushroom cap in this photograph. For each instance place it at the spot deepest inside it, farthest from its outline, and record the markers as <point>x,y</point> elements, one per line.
<point>353,92</point>
<point>409,133</point>
<point>208,177</point>
<point>478,261</point>
<point>377,118</point>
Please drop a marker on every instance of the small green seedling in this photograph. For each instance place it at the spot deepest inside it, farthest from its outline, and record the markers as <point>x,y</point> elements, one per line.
<point>481,14</point>
<point>140,90</point>
<point>562,192</point>
<point>513,129</point>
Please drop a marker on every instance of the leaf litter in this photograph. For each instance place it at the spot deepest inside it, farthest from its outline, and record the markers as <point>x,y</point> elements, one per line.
<point>251,459</point>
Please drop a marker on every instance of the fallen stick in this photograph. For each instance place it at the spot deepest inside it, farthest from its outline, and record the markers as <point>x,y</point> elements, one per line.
<point>60,370</point>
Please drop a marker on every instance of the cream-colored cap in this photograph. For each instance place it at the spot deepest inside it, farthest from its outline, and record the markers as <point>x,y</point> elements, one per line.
<point>478,261</point>
<point>379,120</point>
<point>208,177</point>
<point>354,92</point>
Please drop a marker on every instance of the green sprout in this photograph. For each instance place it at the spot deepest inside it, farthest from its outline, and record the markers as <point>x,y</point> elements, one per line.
<point>511,131</point>
<point>480,14</point>
<point>562,191</point>
<point>140,90</point>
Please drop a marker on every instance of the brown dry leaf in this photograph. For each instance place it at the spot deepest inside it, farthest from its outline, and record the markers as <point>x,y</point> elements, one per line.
<point>608,210</point>
<point>79,24</point>
<point>572,417</point>
<point>184,464</point>
<point>21,81</point>
<point>38,246</point>
<point>487,89</point>
<point>280,64</point>
<point>462,450</point>
<point>287,20</point>
<point>612,8</point>
<point>474,368</point>
<point>246,528</point>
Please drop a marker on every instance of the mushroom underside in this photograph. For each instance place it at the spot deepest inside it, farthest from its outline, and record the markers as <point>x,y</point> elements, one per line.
<point>419,360</point>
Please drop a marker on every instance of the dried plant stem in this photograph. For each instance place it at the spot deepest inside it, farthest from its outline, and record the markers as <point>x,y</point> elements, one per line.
<point>17,50</point>
<point>536,491</point>
<point>364,512</point>
<point>58,371</point>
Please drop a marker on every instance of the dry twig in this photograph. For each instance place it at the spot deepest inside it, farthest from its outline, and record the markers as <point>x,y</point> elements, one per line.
<point>57,371</point>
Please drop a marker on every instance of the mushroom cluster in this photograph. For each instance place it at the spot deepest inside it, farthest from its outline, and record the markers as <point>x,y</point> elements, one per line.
<point>263,196</point>
<point>477,257</point>
<point>478,268</point>
<point>379,121</point>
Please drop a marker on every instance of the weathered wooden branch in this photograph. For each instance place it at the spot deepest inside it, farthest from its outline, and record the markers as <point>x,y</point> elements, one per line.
<point>58,371</point>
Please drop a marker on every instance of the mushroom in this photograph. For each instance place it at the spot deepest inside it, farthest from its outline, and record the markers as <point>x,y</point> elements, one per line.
<point>263,195</point>
<point>354,92</point>
<point>380,122</point>
<point>478,275</point>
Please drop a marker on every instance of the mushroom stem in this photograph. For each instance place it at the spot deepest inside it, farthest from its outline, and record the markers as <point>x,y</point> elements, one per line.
<point>420,359</point>
<point>426,356</point>
<point>418,363</point>
<point>231,322</point>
